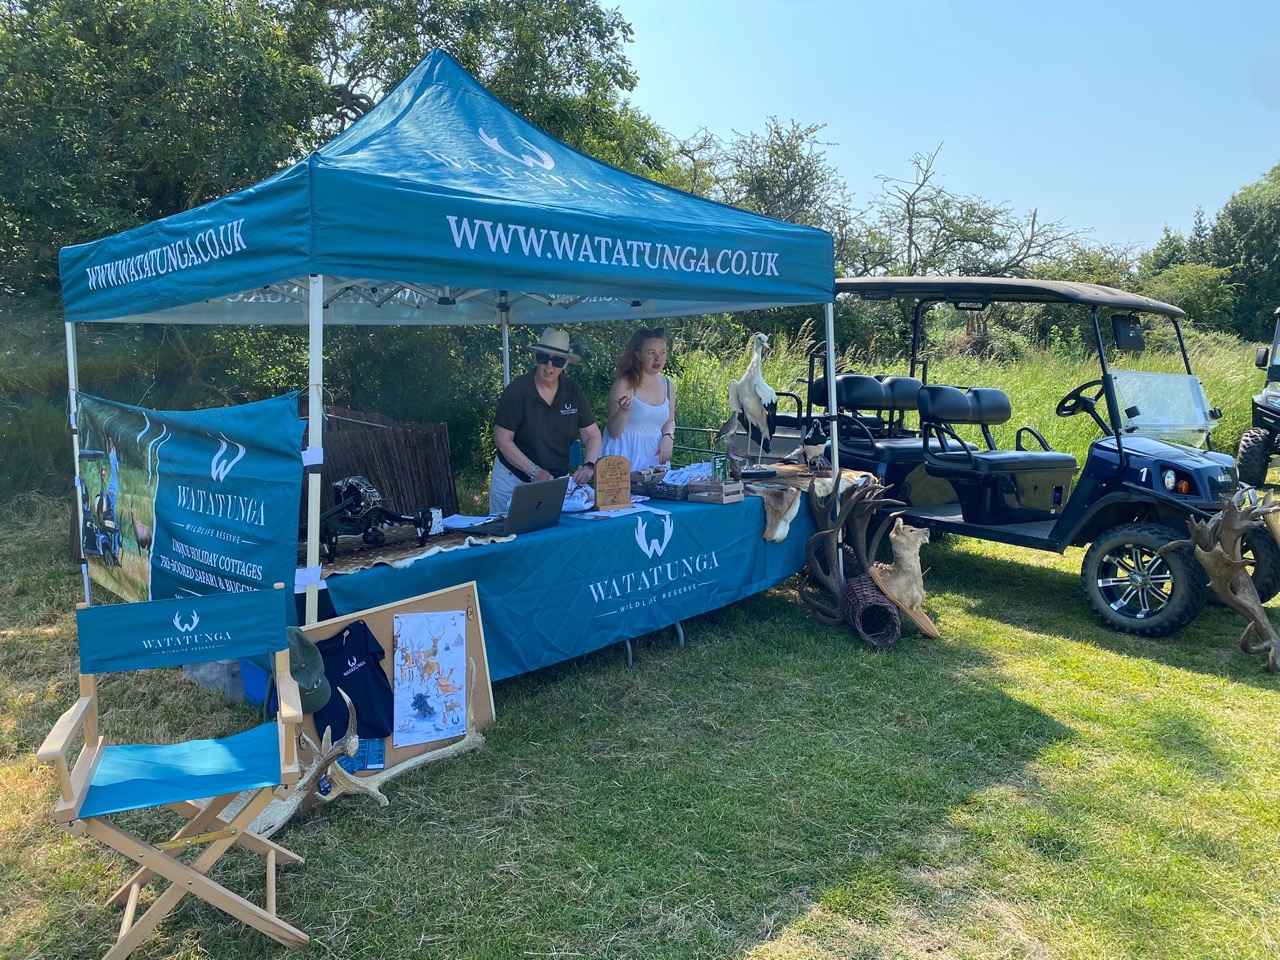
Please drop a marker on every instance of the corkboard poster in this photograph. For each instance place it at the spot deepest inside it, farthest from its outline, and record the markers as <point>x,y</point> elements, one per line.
<point>439,694</point>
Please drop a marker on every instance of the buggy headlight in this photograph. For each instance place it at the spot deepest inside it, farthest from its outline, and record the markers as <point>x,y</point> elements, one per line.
<point>1175,481</point>
<point>1273,400</point>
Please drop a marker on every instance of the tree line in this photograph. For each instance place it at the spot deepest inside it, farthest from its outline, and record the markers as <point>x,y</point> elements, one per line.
<point>118,114</point>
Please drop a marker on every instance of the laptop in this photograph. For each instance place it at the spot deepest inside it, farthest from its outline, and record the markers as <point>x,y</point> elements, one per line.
<point>534,506</point>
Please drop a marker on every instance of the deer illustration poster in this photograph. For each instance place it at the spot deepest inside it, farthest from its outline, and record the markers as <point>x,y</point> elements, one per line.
<point>177,504</point>
<point>430,676</point>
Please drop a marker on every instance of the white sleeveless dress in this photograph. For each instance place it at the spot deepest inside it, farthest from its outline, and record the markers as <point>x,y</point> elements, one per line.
<point>639,442</point>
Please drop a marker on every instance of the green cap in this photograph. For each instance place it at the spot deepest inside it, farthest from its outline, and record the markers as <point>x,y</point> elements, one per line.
<point>307,667</point>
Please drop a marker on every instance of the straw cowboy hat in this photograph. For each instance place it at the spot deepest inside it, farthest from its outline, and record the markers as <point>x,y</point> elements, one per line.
<point>556,343</point>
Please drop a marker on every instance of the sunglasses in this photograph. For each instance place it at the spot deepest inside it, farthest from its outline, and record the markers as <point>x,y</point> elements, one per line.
<point>653,334</point>
<point>556,362</point>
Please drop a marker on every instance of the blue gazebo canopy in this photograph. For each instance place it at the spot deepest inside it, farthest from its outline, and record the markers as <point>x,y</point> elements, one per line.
<point>442,206</point>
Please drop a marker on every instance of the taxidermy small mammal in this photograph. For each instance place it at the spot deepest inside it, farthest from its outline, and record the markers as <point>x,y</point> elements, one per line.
<point>903,577</point>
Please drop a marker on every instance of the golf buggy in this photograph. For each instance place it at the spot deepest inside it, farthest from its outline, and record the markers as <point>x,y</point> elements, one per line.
<point>932,445</point>
<point>99,531</point>
<point>1261,442</point>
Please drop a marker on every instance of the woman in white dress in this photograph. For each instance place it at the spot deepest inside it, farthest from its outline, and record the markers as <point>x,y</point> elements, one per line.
<point>642,403</point>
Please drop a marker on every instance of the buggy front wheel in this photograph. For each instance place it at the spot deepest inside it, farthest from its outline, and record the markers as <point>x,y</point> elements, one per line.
<point>1134,589</point>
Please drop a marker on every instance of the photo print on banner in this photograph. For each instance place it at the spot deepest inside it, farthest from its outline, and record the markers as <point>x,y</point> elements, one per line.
<point>185,503</point>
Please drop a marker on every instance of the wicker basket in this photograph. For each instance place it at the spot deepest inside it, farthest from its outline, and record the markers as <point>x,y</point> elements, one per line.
<point>871,614</point>
<point>658,490</point>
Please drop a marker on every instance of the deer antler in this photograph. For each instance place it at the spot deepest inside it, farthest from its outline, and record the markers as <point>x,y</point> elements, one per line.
<point>822,582</point>
<point>278,812</point>
<point>1217,544</point>
<point>344,782</point>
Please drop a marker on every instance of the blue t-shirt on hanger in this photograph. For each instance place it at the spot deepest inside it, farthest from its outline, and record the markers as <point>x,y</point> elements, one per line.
<point>353,661</point>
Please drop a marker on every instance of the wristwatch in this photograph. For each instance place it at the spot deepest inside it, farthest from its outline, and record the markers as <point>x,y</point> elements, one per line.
<point>591,464</point>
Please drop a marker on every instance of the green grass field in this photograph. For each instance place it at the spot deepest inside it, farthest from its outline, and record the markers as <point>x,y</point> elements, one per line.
<point>1030,786</point>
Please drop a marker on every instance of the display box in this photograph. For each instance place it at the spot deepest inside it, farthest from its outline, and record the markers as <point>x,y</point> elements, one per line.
<point>716,491</point>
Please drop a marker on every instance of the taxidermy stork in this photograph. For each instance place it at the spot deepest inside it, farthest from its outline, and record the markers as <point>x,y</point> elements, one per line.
<point>752,402</point>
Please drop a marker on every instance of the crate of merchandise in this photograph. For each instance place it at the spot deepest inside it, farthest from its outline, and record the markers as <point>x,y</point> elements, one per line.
<point>716,491</point>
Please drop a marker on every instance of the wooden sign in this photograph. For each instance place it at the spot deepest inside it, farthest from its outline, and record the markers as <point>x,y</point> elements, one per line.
<point>613,483</point>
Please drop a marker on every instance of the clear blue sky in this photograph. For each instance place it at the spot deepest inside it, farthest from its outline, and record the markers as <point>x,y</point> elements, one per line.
<point>1117,117</point>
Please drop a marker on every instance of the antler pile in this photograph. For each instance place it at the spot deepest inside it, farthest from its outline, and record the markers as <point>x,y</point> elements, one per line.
<point>278,812</point>
<point>822,586</point>
<point>1217,543</point>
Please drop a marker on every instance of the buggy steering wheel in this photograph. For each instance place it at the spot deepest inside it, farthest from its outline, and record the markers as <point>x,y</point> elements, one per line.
<point>1076,401</point>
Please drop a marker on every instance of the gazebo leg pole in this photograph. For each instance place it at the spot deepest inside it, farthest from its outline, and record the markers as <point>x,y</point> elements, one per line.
<point>73,395</point>
<point>504,320</point>
<point>830,372</point>
<point>315,435</point>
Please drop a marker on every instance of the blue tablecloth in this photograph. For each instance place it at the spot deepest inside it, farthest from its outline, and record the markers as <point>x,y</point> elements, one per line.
<point>558,593</point>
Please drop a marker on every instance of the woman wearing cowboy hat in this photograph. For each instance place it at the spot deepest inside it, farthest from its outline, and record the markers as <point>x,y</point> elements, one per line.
<point>540,414</point>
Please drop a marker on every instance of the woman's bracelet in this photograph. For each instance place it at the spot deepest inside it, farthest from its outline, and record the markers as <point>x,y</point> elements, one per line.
<point>672,434</point>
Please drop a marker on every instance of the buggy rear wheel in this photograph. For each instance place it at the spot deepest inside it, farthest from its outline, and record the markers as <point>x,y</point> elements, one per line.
<point>1253,455</point>
<point>1134,589</point>
<point>1261,554</point>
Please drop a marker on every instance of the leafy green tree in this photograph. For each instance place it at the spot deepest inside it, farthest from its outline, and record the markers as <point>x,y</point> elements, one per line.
<point>117,114</point>
<point>1068,327</point>
<point>561,64</point>
<point>1198,240</point>
<point>917,227</point>
<point>1204,292</point>
<point>1245,239</point>
<point>1170,251</point>
<point>784,173</point>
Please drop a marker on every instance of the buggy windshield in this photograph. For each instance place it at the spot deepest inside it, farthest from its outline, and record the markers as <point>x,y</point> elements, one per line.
<point>1168,406</point>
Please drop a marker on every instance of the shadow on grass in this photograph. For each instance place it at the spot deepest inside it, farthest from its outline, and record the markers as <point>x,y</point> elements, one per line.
<point>689,807</point>
<point>697,805</point>
<point>1030,590</point>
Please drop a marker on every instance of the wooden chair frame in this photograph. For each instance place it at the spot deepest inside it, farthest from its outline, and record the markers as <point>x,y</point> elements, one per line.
<point>216,824</point>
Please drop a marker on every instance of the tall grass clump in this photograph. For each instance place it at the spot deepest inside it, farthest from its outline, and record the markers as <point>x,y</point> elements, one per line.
<point>1039,379</point>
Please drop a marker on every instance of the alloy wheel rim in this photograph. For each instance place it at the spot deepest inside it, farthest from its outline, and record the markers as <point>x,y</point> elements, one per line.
<point>1140,583</point>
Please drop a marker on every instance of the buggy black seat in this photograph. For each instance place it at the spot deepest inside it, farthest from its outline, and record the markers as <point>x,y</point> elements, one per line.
<point>876,430</point>
<point>994,486</point>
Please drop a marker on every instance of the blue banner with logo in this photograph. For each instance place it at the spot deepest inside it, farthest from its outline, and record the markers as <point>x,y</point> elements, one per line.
<point>554,594</point>
<point>171,633</point>
<point>183,503</point>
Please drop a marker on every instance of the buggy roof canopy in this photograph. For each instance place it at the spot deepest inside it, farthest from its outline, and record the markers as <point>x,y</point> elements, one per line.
<point>442,206</point>
<point>979,291</point>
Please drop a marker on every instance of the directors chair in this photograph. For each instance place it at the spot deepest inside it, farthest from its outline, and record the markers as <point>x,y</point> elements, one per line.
<point>198,779</point>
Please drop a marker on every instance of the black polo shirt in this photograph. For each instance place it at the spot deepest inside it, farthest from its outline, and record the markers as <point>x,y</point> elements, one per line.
<point>544,432</point>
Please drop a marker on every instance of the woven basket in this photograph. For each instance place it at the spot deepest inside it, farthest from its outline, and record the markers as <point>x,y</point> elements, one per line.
<point>873,615</point>
<point>655,488</point>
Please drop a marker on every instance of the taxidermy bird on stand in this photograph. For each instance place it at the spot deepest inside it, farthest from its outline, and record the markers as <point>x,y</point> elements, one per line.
<point>754,404</point>
<point>812,450</point>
